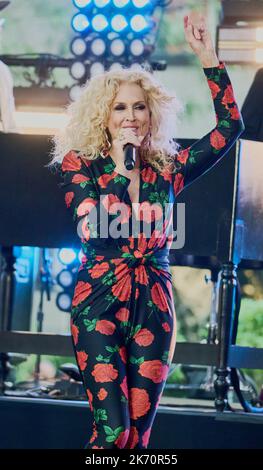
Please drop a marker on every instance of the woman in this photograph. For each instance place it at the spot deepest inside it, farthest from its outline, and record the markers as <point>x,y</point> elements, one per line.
<point>123,318</point>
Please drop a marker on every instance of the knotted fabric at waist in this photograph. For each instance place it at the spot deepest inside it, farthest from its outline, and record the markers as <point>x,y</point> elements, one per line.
<point>158,258</point>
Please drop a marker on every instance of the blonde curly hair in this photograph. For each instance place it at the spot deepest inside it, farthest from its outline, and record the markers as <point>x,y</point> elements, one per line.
<point>86,131</point>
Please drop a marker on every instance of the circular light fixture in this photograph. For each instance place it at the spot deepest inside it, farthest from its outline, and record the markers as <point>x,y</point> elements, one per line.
<point>137,47</point>
<point>75,92</point>
<point>80,22</point>
<point>78,46</point>
<point>119,23</point>
<point>77,70</point>
<point>117,47</point>
<point>98,46</point>
<point>67,256</point>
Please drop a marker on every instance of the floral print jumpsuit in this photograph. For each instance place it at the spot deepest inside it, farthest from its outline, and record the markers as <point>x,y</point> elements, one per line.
<point>122,318</point>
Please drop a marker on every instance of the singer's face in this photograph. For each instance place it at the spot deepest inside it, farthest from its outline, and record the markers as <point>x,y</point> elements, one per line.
<point>129,108</point>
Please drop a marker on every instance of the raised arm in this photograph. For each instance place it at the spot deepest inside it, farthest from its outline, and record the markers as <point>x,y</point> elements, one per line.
<point>195,160</point>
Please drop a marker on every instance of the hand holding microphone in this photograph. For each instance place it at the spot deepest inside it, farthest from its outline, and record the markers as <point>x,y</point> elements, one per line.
<point>126,143</point>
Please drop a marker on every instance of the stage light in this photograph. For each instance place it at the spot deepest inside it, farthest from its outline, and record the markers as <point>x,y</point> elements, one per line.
<point>116,66</point>
<point>67,256</point>
<point>119,23</point>
<point>136,66</point>
<point>137,47</point>
<point>101,3</point>
<point>96,68</point>
<point>138,23</point>
<point>140,3</point>
<point>80,22</point>
<point>82,3</point>
<point>74,92</point>
<point>120,3</point>
<point>63,301</point>
<point>81,255</point>
<point>65,278</point>
<point>78,46</point>
<point>98,46</point>
<point>78,70</point>
<point>99,22</point>
<point>117,47</point>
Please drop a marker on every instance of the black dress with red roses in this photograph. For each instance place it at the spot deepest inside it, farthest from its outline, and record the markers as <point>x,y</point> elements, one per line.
<point>123,320</point>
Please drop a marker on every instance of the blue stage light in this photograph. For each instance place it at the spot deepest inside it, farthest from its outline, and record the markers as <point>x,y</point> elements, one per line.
<point>98,46</point>
<point>82,3</point>
<point>137,47</point>
<point>67,255</point>
<point>138,23</point>
<point>119,23</point>
<point>117,47</point>
<point>99,22</point>
<point>77,70</point>
<point>78,46</point>
<point>141,3</point>
<point>80,22</point>
<point>96,68</point>
<point>101,3</point>
<point>120,3</point>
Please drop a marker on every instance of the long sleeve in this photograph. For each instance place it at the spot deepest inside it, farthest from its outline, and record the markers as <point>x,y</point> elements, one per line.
<point>79,192</point>
<point>198,158</point>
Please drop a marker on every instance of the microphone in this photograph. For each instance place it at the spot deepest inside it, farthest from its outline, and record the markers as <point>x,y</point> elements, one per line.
<point>129,156</point>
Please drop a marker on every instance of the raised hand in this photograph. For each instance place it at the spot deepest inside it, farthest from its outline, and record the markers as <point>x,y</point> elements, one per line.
<point>199,39</point>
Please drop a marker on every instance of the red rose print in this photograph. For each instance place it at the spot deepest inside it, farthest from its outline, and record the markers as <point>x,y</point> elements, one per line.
<point>122,439</point>
<point>81,292</point>
<point>139,403</point>
<point>82,358</point>
<point>78,178</point>
<point>123,314</point>
<point>148,175</point>
<point>102,394</point>
<point>235,114</point>
<point>105,327</point>
<point>124,387</point>
<point>167,175</point>
<point>144,337</point>
<point>217,140</point>
<point>178,183</point>
<point>90,398</point>
<point>75,333</point>
<point>228,95</point>
<point>166,327</point>
<point>98,270</point>
<point>123,354</point>
<point>86,206</point>
<point>71,162</point>
<point>141,275</point>
<point>133,438</point>
<point>122,289</point>
<point>146,437</point>
<point>69,198</point>
<point>95,433</point>
<point>104,180</point>
<point>150,212</point>
<point>183,156</point>
<point>142,243</point>
<point>104,373</point>
<point>154,370</point>
<point>215,89</point>
<point>158,297</point>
